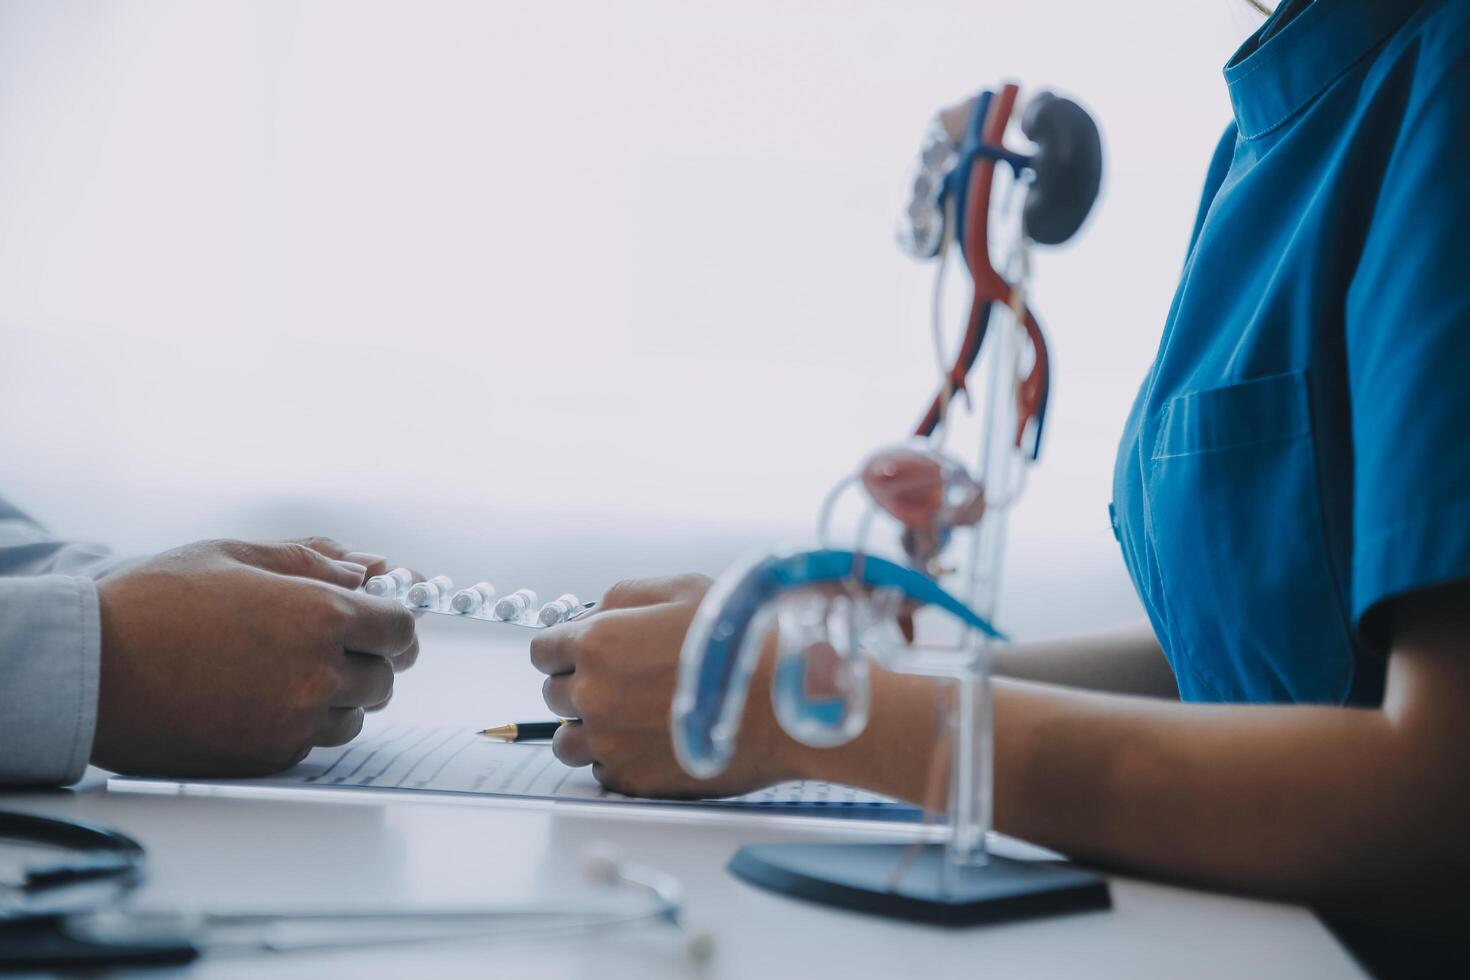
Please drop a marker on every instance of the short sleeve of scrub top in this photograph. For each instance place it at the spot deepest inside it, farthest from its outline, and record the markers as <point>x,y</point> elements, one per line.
<point>1299,453</point>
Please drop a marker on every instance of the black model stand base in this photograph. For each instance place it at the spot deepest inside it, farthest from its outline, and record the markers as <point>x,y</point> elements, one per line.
<point>859,876</point>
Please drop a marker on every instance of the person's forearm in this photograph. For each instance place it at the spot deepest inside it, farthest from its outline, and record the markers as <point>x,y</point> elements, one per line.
<point>1125,661</point>
<point>895,754</point>
<point>1337,807</point>
<point>903,722</point>
<point>1323,805</point>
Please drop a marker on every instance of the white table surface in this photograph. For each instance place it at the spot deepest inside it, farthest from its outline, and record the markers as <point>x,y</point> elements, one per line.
<point>369,849</point>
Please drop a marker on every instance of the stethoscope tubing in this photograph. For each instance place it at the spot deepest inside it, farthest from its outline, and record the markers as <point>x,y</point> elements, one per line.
<point>104,853</point>
<point>99,934</point>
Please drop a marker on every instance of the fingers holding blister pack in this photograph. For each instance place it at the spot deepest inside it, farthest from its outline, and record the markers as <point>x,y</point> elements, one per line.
<point>608,670</point>
<point>310,655</point>
<point>480,601</point>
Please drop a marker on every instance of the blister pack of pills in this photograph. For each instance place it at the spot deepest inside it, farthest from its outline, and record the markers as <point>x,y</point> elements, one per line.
<point>479,601</point>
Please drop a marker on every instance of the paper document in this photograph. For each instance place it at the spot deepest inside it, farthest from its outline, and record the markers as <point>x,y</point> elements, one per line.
<point>437,759</point>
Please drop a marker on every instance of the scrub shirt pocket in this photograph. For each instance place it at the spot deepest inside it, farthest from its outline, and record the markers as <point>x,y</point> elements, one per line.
<point>1254,605</point>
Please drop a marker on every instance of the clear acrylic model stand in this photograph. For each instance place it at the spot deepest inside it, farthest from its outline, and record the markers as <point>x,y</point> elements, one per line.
<point>958,882</point>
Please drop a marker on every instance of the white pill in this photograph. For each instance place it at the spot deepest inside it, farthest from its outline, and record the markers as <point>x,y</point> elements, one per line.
<point>515,605</point>
<point>391,584</point>
<point>558,610</point>
<point>473,599</point>
<point>428,595</point>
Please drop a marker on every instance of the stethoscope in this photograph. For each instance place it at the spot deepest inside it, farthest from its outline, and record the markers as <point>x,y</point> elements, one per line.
<point>70,913</point>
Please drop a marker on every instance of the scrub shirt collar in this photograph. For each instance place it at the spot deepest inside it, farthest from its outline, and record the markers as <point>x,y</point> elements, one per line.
<point>1270,80</point>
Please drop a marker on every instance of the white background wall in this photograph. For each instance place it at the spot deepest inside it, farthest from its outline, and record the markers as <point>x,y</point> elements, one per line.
<point>549,292</point>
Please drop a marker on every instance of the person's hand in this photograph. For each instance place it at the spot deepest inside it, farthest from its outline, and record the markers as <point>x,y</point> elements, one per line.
<point>232,658</point>
<point>615,670</point>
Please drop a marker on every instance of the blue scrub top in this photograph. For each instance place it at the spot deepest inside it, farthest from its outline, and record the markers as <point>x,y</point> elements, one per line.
<point>1300,449</point>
